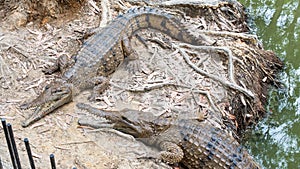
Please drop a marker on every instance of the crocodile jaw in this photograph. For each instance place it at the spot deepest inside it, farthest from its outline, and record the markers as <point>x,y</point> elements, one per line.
<point>136,123</point>
<point>50,99</point>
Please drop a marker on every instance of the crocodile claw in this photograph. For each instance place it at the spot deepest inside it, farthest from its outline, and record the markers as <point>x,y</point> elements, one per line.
<point>133,66</point>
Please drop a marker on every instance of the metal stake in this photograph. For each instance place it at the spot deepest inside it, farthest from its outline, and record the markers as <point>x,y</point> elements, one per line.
<point>13,143</point>
<point>11,153</point>
<point>26,141</point>
<point>1,166</point>
<point>52,160</point>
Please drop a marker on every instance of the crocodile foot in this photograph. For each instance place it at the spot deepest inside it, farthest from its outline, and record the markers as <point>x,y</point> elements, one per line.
<point>101,84</point>
<point>134,66</point>
<point>61,64</point>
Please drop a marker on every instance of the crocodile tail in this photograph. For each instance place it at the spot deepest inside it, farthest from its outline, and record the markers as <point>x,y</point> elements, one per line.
<point>147,17</point>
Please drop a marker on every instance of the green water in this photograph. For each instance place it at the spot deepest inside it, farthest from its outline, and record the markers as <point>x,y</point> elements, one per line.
<point>275,141</point>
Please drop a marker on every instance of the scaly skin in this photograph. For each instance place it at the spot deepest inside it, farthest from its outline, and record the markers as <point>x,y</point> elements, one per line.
<point>101,54</point>
<point>194,143</point>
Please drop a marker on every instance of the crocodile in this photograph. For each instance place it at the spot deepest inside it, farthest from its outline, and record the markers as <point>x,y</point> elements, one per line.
<point>194,143</point>
<point>100,56</point>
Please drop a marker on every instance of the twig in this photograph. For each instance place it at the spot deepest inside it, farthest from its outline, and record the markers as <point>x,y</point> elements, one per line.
<point>122,5</point>
<point>93,4</point>
<point>105,14</point>
<point>208,96</point>
<point>148,88</point>
<point>160,85</point>
<point>21,52</point>
<point>118,133</point>
<point>160,42</point>
<point>77,142</point>
<point>38,83</point>
<point>62,148</point>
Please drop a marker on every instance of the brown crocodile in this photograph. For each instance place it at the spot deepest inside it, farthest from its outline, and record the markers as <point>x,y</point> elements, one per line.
<point>102,53</point>
<point>194,143</point>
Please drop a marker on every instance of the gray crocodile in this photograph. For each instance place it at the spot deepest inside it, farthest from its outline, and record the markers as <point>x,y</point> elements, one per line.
<point>100,56</point>
<point>194,143</point>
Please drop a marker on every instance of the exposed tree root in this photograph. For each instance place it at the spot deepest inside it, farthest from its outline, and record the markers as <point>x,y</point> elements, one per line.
<point>224,82</point>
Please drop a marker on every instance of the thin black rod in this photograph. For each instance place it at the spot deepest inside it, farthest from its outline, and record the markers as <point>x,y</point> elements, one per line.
<point>11,153</point>
<point>26,141</point>
<point>52,160</point>
<point>1,166</point>
<point>13,143</point>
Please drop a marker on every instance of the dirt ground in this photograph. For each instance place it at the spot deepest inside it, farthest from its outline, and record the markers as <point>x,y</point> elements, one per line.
<point>224,80</point>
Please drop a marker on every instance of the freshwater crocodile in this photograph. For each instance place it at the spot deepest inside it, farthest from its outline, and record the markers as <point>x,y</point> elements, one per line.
<point>101,54</point>
<point>194,143</point>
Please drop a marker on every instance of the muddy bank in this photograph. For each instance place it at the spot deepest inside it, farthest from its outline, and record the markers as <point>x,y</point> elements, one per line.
<point>230,77</point>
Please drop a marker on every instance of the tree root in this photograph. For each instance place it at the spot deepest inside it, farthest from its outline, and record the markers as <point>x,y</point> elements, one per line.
<point>245,36</point>
<point>224,49</point>
<point>226,83</point>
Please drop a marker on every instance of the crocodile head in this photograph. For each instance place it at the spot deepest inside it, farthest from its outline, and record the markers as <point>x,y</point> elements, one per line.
<point>54,95</point>
<point>136,123</point>
<point>142,124</point>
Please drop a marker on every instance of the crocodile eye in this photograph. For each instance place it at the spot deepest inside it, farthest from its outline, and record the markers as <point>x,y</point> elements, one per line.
<point>58,90</point>
<point>47,87</point>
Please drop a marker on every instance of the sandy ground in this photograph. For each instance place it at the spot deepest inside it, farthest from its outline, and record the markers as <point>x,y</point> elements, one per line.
<point>25,49</point>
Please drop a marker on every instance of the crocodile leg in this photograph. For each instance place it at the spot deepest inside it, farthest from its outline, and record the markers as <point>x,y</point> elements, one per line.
<point>171,152</point>
<point>61,64</point>
<point>134,62</point>
<point>101,83</point>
